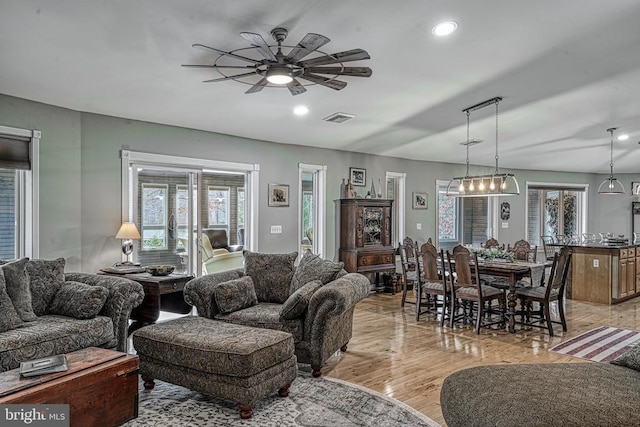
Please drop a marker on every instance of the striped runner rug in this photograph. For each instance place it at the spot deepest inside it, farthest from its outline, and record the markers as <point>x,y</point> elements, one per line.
<point>602,344</point>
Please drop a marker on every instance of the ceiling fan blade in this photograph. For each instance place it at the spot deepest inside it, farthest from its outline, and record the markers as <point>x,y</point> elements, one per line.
<point>229,77</point>
<point>346,56</point>
<point>232,55</point>
<point>257,41</point>
<point>341,71</point>
<point>308,44</point>
<point>258,86</point>
<point>218,66</point>
<point>296,88</point>
<point>324,81</point>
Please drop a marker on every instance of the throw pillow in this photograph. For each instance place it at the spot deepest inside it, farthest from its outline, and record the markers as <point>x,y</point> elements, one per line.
<point>45,279</point>
<point>271,274</point>
<point>312,267</point>
<point>9,318</point>
<point>296,305</point>
<point>79,300</point>
<point>17,283</point>
<point>629,359</point>
<point>234,295</point>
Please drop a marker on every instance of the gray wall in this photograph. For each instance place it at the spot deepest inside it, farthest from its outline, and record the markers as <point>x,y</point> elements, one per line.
<point>80,181</point>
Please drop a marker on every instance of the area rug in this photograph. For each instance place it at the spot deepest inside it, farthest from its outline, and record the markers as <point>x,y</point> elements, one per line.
<point>313,402</point>
<point>602,344</point>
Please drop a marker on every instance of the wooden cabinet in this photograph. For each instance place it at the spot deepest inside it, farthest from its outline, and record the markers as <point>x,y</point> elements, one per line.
<point>605,275</point>
<point>365,235</point>
<point>626,273</point>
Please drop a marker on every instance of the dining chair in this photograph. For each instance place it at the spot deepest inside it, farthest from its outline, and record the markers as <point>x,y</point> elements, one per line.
<point>548,250</point>
<point>545,295</point>
<point>523,251</point>
<point>435,282</point>
<point>410,270</point>
<point>471,292</point>
<point>493,243</point>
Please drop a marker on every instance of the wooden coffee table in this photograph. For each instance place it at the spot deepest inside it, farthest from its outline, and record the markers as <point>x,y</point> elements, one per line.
<point>100,387</point>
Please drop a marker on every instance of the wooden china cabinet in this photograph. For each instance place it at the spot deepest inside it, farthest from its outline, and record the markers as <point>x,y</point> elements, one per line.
<point>365,236</point>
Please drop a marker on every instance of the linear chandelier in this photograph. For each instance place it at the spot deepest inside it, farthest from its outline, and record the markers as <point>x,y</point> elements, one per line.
<point>611,185</point>
<point>495,184</point>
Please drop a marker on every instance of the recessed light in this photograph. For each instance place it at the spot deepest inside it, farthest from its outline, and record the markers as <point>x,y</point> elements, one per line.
<point>623,137</point>
<point>301,110</point>
<point>444,28</point>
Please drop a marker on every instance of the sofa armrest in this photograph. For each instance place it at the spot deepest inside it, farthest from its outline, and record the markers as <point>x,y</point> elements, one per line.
<point>124,296</point>
<point>334,299</point>
<point>199,291</point>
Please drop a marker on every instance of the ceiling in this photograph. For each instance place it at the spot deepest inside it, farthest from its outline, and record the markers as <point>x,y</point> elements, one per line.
<point>567,70</point>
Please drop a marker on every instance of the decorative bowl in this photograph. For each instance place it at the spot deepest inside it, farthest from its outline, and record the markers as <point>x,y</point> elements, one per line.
<point>159,270</point>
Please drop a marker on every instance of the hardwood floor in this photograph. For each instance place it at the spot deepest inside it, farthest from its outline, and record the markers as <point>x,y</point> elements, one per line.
<point>393,354</point>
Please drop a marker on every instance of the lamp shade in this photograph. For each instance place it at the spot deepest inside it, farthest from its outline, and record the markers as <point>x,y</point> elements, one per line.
<point>128,230</point>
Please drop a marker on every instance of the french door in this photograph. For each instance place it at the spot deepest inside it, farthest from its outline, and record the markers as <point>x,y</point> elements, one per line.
<point>172,200</point>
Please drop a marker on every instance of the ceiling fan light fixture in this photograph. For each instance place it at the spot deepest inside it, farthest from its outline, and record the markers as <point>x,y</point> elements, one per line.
<point>444,28</point>
<point>279,76</point>
<point>611,186</point>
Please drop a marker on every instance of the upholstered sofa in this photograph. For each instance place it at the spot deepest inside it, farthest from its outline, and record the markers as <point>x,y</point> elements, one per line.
<point>45,311</point>
<point>313,301</point>
<point>592,394</point>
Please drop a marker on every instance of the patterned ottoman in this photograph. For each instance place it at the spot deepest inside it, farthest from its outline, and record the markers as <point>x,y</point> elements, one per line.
<point>233,362</point>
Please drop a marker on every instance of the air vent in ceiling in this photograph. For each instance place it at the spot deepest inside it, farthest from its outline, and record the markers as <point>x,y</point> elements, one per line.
<point>339,117</point>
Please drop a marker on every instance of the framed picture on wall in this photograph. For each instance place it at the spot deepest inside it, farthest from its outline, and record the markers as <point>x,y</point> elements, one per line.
<point>358,176</point>
<point>420,200</point>
<point>635,187</point>
<point>278,195</point>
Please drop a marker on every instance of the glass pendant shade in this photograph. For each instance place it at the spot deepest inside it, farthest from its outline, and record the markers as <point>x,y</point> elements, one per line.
<point>611,186</point>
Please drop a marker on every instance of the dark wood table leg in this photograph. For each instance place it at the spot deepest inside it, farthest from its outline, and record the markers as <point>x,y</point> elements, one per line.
<point>511,304</point>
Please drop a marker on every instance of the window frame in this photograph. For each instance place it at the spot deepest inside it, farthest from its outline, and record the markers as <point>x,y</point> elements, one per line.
<point>27,210</point>
<point>164,226</point>
<point>227,225</point>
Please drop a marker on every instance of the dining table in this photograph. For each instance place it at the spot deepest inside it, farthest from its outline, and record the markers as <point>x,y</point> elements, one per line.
<point>514,272</point>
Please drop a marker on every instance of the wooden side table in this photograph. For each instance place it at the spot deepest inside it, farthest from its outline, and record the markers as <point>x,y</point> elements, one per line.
<point>160,293</point>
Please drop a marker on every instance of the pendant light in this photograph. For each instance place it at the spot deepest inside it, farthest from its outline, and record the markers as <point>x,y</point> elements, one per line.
<point>611,185</point>
<point>496,184</point>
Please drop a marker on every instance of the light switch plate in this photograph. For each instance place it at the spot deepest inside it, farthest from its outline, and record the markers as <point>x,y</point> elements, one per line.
<point>419,226</point>
<point>276,229</point>
<point>596,263</point>
<point>505,225</point>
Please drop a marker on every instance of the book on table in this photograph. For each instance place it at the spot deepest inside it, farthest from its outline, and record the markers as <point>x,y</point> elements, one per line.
<point>45,365</point>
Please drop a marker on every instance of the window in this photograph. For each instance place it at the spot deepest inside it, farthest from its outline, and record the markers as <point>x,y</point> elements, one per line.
<point>307,214</point>
<point>154,216</point>
<point>218,207</point>
<point>182,211</point>
<point>555,210</point>
<point>396,191</point>
<point>240,219</point>
<point>448,217</point>
<point>18,192</point>
<point>8,213</point>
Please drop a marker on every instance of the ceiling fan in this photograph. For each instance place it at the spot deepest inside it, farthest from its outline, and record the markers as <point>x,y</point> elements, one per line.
<point>280,70</point>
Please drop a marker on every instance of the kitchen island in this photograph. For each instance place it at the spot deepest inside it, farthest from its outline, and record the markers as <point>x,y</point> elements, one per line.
<point>605,274</point>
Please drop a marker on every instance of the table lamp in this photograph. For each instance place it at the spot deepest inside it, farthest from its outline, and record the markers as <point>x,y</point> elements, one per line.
<point>128,231</point>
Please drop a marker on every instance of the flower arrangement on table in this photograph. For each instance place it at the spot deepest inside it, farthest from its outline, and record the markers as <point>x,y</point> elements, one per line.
<point>494,254</point>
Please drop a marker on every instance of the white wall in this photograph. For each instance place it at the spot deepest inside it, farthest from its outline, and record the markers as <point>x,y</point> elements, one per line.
<point>80,181</point>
